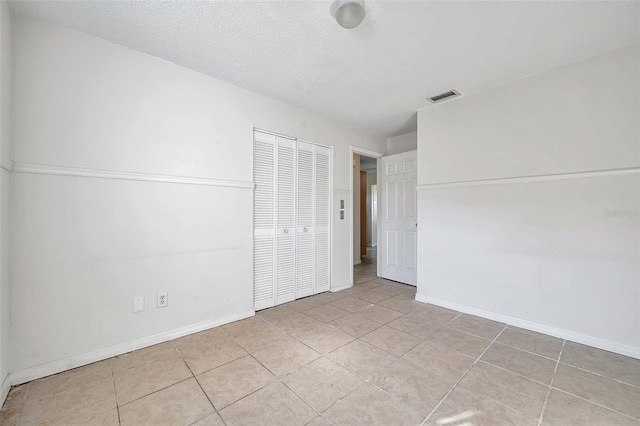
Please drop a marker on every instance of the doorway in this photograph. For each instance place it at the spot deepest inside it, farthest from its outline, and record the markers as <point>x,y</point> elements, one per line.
<point>365,216</point>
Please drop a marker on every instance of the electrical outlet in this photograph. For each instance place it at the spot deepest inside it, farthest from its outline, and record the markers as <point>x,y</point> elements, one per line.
<point>163,299</point>
<point>138,304</point>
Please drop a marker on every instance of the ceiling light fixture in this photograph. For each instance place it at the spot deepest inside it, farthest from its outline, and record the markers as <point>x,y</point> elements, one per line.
<point>349,13</point>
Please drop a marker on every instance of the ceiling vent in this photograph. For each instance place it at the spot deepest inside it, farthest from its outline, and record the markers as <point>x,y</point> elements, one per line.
<point>444,96</point>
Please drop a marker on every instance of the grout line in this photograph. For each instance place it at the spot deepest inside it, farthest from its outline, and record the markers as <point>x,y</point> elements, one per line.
<point>115,394</point>
<point>528,352</point>
<point>464,375</point>
<point>597,404</point>
<point>600,375</point>
<point>154,392</point>
<point>198,382</point>
<point>546,398</point>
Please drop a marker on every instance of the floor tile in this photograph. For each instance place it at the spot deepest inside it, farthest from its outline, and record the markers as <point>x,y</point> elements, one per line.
<point>78,377</point>
<point>524,363</point>
<point>351,304</point>
<point>374,296</point>
<point>142,380</point>
<point>204,351</point>
<point>296,323</point>
<point>228,383</point>
<point>275,313</point>
<point>71,405</point>
<point>464,407</point>
<point>380,314</point>
<point>10,416</point>
<point>273,405</point>
<point>362,358</point>
<point>369,284</point>
<point>79,417</point>
<point>400,304</point>
<point>356,289</point>
<point>434,313</point>
<point>517,392</point>
<point>477,326</point>
<point>305,304</point>
<point>211,420</point>
<point>322,383</point>
<point>182,403</point>
<point>601,390</point>
<point>326,313</point>
<point>16,397</point>
<point>391,340</point>
<point>355,324</point>
<point>536,343</point>
<point>413,386</point>
<point>156,353</point>
<point>415,326</point>
<point>440,360</point>
<point>608,364</point>
<point>319,421</point>
<point>368,405</point>
<point>328,297</point>
<point>325,338</point>
<point>460,341</point>
<point>563,409</point>
<point>284,357</point>
<point>260,337</point>
<point>246,325</point>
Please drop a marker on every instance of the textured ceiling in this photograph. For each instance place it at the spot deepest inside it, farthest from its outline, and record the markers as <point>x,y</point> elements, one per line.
<point>373,77</point>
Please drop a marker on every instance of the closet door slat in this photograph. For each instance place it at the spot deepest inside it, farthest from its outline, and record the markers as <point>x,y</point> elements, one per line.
<point>305,206</point>
<point>263,220</point>
<point>322,248</point>
<point>286,230</point>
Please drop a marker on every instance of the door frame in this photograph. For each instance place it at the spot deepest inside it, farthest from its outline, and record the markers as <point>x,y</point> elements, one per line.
<point>367,153</point>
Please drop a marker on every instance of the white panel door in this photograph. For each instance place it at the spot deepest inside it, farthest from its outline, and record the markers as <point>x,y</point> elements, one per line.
<point>286,220</point>
<point>264,220</point>
<point>305,215</point>
<point>397,245</point>
<point>322,225</point>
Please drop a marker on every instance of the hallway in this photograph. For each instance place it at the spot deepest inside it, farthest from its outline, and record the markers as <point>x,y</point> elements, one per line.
<point>366,270</point>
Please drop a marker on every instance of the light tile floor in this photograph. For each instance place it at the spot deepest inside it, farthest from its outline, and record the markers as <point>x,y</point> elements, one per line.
<point>366,355</point>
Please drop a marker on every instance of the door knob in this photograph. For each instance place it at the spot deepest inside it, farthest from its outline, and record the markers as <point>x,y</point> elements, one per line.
<point>305,229</point>
<point>286,231</point>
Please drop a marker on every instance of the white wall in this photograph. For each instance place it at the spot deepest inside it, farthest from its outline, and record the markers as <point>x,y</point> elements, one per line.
<point>402,143</point>
<point>85,246</point>
<point>356,209</point>
<point>541,252</point>
<point>372,239</point>
<point>5,160</point>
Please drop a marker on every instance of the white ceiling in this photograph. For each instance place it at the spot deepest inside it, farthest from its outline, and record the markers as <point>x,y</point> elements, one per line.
<point>373,77</point>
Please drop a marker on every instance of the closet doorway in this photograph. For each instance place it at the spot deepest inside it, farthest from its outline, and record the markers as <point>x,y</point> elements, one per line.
<point>292,218</point>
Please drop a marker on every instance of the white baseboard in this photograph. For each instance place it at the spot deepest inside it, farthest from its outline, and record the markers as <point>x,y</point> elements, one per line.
<point>44,370</point>
<point>342,287</point>
<point>595,342</point>
<point>4,389</point>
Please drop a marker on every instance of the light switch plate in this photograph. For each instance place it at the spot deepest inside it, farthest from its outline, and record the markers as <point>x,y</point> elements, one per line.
<point>138,304</point>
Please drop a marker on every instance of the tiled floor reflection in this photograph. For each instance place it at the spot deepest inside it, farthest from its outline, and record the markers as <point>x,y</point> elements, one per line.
<point>366,355</point>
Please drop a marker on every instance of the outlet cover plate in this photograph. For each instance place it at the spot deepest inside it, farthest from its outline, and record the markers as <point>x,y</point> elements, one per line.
<point>163,299</point>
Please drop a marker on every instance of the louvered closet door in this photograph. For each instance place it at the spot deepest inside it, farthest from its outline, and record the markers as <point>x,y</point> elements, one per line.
<point>286,220</point>
<point>304,242</point>
<point>264,220</point>
<point>322,242</point>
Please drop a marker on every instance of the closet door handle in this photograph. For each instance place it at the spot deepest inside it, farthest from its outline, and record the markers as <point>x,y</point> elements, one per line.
<point>286,231</point>
<point>305,229</point>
